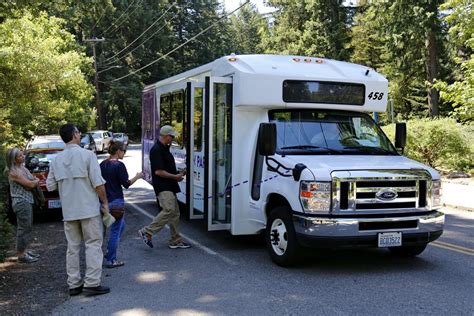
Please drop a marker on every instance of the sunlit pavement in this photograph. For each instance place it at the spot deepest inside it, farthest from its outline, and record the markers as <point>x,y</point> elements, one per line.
<point>231,275</point>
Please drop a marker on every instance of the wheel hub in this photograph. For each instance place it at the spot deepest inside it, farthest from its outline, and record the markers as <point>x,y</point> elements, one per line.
<point>279,237</point>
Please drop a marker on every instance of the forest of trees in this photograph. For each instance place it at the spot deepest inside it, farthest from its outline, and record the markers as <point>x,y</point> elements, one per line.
<point>425,48</point>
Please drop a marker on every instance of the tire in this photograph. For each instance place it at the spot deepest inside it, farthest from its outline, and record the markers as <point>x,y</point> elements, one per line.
<point>281,237</point>
<point>408,251</point>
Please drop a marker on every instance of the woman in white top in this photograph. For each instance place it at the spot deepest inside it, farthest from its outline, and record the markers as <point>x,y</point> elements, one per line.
<point>21,183</point>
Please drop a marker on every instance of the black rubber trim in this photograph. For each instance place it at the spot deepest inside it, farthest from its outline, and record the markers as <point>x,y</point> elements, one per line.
<point>408,239</point>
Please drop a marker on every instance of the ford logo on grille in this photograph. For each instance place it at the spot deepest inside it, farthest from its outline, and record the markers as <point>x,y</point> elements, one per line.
<point>386,195</point>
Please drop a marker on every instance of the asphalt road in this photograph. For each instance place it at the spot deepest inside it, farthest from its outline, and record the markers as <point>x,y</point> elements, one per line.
<point>227,275</point>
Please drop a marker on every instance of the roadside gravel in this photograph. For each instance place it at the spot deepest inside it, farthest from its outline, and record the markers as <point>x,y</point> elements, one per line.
<point>35,289</point>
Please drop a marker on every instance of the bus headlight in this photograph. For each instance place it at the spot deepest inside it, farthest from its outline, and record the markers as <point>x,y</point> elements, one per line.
<point>315,196</point>
<point>436,194</point>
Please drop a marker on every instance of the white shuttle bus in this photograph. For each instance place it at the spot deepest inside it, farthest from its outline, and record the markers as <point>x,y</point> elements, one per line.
<point>284,145</point>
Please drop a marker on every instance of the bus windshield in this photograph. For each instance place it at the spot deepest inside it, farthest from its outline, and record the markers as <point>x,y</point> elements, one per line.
<point>328,132</point>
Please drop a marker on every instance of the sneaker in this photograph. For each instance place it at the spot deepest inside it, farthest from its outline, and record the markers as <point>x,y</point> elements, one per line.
<point>146,238</point>
<point>33,254</point>
<point>114,264</point>
<point>27,259</point>
<point>179,244</point>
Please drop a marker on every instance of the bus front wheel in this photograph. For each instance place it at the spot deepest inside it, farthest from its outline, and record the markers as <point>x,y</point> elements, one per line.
<point>281,237</point>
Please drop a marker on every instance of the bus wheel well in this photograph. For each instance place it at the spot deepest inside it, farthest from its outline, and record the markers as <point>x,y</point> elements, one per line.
<point>275,200</point>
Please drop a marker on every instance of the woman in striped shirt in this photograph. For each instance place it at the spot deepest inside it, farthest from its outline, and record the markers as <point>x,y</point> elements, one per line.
<point>21,183</point>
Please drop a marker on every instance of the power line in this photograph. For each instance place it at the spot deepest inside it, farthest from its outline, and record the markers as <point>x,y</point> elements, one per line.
<point>139,45</point>
<point>98,20</point>
<point>123,13</point>
<point>156,21</point>
<point>176,48</point>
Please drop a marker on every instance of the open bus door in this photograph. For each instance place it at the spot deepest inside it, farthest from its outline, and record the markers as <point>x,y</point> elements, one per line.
<point>218,152</point>
<point>149,130</point>
<point>195,150</point>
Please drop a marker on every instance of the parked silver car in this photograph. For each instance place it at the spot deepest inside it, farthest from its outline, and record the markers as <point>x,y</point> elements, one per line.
<point>121,137</point>
<point>102,139</point>
<point>45,141</point>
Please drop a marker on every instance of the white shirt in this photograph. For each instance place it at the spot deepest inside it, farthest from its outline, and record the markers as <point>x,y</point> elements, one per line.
<point>75,172</point>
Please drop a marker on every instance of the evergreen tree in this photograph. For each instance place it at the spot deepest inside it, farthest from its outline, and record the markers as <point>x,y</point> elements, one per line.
<point>460,91</point>
<point>407,37</point>
<point>309,27</point>
<point>247,29</point>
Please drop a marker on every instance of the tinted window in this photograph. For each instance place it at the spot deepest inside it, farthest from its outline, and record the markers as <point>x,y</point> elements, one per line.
<point>323,92</point>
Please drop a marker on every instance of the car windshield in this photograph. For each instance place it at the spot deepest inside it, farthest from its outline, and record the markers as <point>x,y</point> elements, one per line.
<point>97,135</point>
<point>39,161</point>
<point>118,135</point>
<point>47,144</point>
<point>85,139</point>
<point>326,131</point>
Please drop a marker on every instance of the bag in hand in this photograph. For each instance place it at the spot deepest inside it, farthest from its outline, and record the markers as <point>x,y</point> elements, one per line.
<point>117,212</point>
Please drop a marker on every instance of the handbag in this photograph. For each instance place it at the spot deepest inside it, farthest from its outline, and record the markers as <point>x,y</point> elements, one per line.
<point>117,212</point>
<point>38,196</point>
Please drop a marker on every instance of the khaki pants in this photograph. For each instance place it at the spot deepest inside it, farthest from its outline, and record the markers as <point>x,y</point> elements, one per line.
<point>168,215</point>
<point>90,230</point>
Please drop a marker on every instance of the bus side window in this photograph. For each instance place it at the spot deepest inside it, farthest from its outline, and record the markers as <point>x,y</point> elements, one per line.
<point>165,111</point>
<point>198,118</point>
<point>178,117</point>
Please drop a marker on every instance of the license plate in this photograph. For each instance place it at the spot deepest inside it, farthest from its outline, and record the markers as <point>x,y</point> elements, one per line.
<point>390,239</point>
<point>54,203</point>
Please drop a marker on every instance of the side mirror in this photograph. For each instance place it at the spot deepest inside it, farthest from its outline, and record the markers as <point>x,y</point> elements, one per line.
<point>267,139</point>
<point>400,135</point>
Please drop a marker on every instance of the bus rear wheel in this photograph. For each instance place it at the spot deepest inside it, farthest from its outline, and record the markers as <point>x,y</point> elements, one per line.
<point>281,237</point>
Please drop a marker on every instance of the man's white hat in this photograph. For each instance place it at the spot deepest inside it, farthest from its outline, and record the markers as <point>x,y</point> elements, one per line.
<point>168,130</point>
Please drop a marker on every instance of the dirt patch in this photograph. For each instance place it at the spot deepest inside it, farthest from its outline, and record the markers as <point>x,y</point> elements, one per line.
<point>35,289</point>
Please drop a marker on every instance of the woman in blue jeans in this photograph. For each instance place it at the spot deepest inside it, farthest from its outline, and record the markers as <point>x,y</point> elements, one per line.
<point>116,176</point>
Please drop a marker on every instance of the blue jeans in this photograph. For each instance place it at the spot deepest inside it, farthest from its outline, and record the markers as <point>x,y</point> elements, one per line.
<point>116,231</point>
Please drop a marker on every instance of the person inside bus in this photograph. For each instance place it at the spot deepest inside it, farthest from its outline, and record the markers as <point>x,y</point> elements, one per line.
<point>165,180</point>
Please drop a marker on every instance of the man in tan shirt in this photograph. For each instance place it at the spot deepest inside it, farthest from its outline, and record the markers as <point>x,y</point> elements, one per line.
<point>75,172</point>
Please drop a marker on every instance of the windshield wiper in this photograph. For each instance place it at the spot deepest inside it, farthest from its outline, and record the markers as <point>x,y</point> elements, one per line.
<point>311,147</point>
<point>374,150</point>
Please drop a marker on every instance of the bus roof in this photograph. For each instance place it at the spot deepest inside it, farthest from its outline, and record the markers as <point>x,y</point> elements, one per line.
<point>262,73</point>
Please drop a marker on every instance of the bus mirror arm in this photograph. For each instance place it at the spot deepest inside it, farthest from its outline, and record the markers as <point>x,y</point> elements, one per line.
<point>279,166</point>
<point>400,136</point>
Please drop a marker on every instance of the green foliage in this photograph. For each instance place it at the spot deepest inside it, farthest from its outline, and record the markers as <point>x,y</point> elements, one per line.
<point>403,40</point>
<point>440,143</point>
<point>461,92</point>
<point>6,230</point>
<point>248,28</point>
<point>309,28</point>
<point>42,81</point>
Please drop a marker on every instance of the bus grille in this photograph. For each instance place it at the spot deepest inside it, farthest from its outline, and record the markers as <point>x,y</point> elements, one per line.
<point>380,194</point>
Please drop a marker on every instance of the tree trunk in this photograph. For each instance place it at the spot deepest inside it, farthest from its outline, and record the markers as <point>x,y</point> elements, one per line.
<point>431,59</point>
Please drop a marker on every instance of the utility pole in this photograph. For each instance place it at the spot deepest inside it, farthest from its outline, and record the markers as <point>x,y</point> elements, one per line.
<point>100,111</point>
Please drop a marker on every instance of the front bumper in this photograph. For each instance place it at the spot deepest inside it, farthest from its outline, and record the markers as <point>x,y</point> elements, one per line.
<point>324,232</point>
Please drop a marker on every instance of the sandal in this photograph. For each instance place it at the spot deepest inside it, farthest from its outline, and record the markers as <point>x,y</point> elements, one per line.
<point>114,264</point>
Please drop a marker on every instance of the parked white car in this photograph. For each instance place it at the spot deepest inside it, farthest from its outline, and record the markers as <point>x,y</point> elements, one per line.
<point>121,137</point>
<point>102,139</point>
